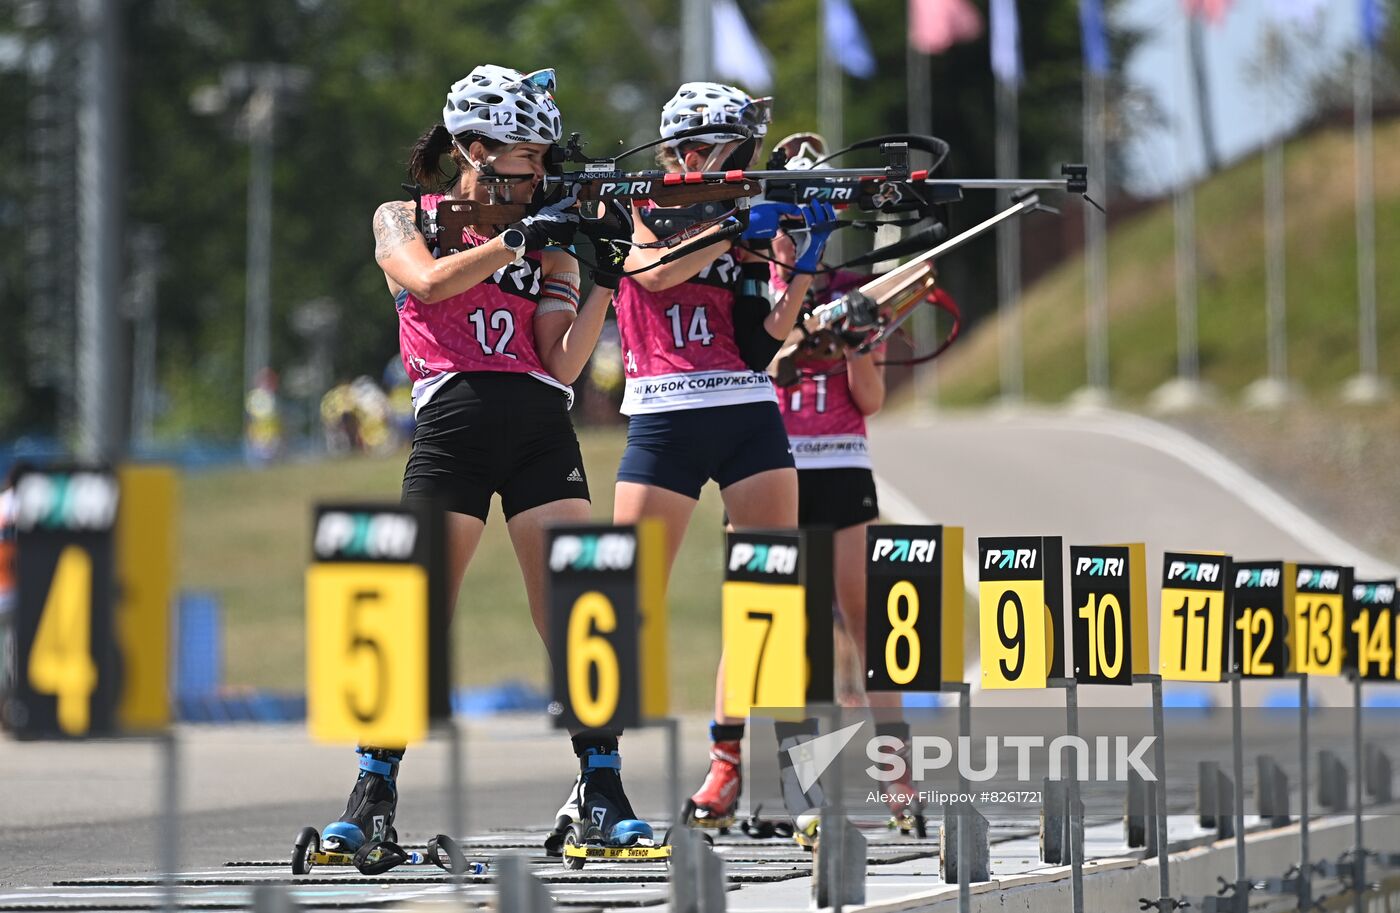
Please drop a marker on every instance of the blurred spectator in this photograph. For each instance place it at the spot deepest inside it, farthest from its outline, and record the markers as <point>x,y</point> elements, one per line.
<point>7,586</point>
<point>264,441</point>
<point>400,399</point>
<point>356,418</point>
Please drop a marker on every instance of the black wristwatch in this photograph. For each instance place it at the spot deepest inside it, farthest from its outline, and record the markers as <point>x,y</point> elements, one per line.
<point>514,238</point>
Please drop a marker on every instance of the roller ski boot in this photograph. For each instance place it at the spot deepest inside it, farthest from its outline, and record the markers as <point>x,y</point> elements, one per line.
<point>714,803</point>
<point>803,805</point>
<point>597,821</point>
<point>906,806</point>
<point>365,837</point>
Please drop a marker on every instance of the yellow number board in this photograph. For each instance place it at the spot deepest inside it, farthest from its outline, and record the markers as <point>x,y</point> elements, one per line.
<point>607,625</point>
<point>914,607</point>
<point>1020,611</point>
<point>1108,595</point>
<point>1195,611</point>
<point>1261,637</point>
<point>146,567</point>
<point>66,682</point>
<point>1319,617</point>
<point>376,659</point>
<point>1370,646</point>
<point>777,622</point>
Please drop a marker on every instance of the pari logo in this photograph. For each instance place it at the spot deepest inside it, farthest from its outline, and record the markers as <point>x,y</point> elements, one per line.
<point>1382,594</point>
<point>61,500</point>
<point>1258,577</point>
<point>842,194</point>
<point>763,558</point>
<point>1099,567</point>
<point>1199,571</point>
<point>1010,559</point>
<point>602,552</point>
<point>625,188</point>
<point>904,550</point>
<point>377,537</point>
<point>1318,578</point>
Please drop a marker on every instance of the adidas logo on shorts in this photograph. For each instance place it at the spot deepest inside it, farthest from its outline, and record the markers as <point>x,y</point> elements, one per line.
<point>574,476</point>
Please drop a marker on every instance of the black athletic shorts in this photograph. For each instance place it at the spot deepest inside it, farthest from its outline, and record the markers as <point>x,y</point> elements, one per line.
<point>836,498</point>
<point>492,432</point>
<point>681,451</point>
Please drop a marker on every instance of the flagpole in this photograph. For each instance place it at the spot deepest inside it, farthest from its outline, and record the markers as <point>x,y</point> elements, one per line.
<point>1368,386</point>
<point>920,117</point>
<point>1009,247</point>
<point>1184,391</point>
<point>697,41</point>
<point>1274,390</point>
<point>1095,393</point>
<point>830,116</point>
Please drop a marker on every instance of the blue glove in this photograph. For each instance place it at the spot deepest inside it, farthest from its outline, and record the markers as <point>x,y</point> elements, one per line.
<point>821,222</point>
<point>764,219</point>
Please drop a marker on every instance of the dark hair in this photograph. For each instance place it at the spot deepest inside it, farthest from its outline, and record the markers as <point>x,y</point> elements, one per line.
<point>425,159</point>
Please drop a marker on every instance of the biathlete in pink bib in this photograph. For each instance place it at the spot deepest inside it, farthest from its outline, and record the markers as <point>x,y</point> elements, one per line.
<point>697,336</point>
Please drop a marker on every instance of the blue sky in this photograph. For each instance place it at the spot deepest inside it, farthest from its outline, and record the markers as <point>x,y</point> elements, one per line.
<point>1245,110</point>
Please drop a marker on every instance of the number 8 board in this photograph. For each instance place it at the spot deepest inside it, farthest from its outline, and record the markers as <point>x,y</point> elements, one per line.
<point>914,607</point>
<point>1021,610</point>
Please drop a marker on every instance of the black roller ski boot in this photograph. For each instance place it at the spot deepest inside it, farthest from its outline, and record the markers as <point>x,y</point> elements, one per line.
<point>369,813</point>
<point>597,802</point>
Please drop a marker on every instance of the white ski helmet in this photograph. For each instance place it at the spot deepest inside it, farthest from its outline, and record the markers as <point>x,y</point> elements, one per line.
<point>504,104</point>
<point>700,104</point>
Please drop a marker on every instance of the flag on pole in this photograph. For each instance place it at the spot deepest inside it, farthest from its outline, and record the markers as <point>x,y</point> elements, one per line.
<point>1006,42</point>
<point>1291,11</point>
<point>1373,22</point>
<point>1213,11</point>
<point>1093,36</point>
<point>937,25</point>
<point>738,55</point>
<point>844,39</point>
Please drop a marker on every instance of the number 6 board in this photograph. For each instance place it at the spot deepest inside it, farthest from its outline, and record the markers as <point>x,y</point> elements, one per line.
<point>913,607</point>
<point>607,625</point>
<point>1195,610</point>
<point>1021,610</point>
<point>376,624</point>
<point>1108,596</point>
<point>777,628</point>
<point>65,680</point>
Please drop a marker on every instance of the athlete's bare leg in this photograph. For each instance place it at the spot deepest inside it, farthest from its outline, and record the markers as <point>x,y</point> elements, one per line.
<point>527,530</point>
<point>463,536</point>
<point>634,501</point>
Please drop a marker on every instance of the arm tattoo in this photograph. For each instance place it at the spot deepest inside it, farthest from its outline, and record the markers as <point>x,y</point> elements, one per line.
<point>393,228</point>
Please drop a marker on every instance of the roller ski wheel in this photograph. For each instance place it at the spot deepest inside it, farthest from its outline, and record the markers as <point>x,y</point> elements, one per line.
<point>756,827</point>
<point>575,837</point>
<point>305,851</point>
<point>806,831</point>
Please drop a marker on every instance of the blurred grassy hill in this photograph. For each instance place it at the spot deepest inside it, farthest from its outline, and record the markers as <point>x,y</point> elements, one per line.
<point>246,535</point>
<point>1321,286</point>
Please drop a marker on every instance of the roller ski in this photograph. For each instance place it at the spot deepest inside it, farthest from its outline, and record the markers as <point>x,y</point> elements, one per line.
<point>364,836</point>
<point>380,856</point>
<point>713,805</point>
<point>597,821</point>
<point>907,817</point>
